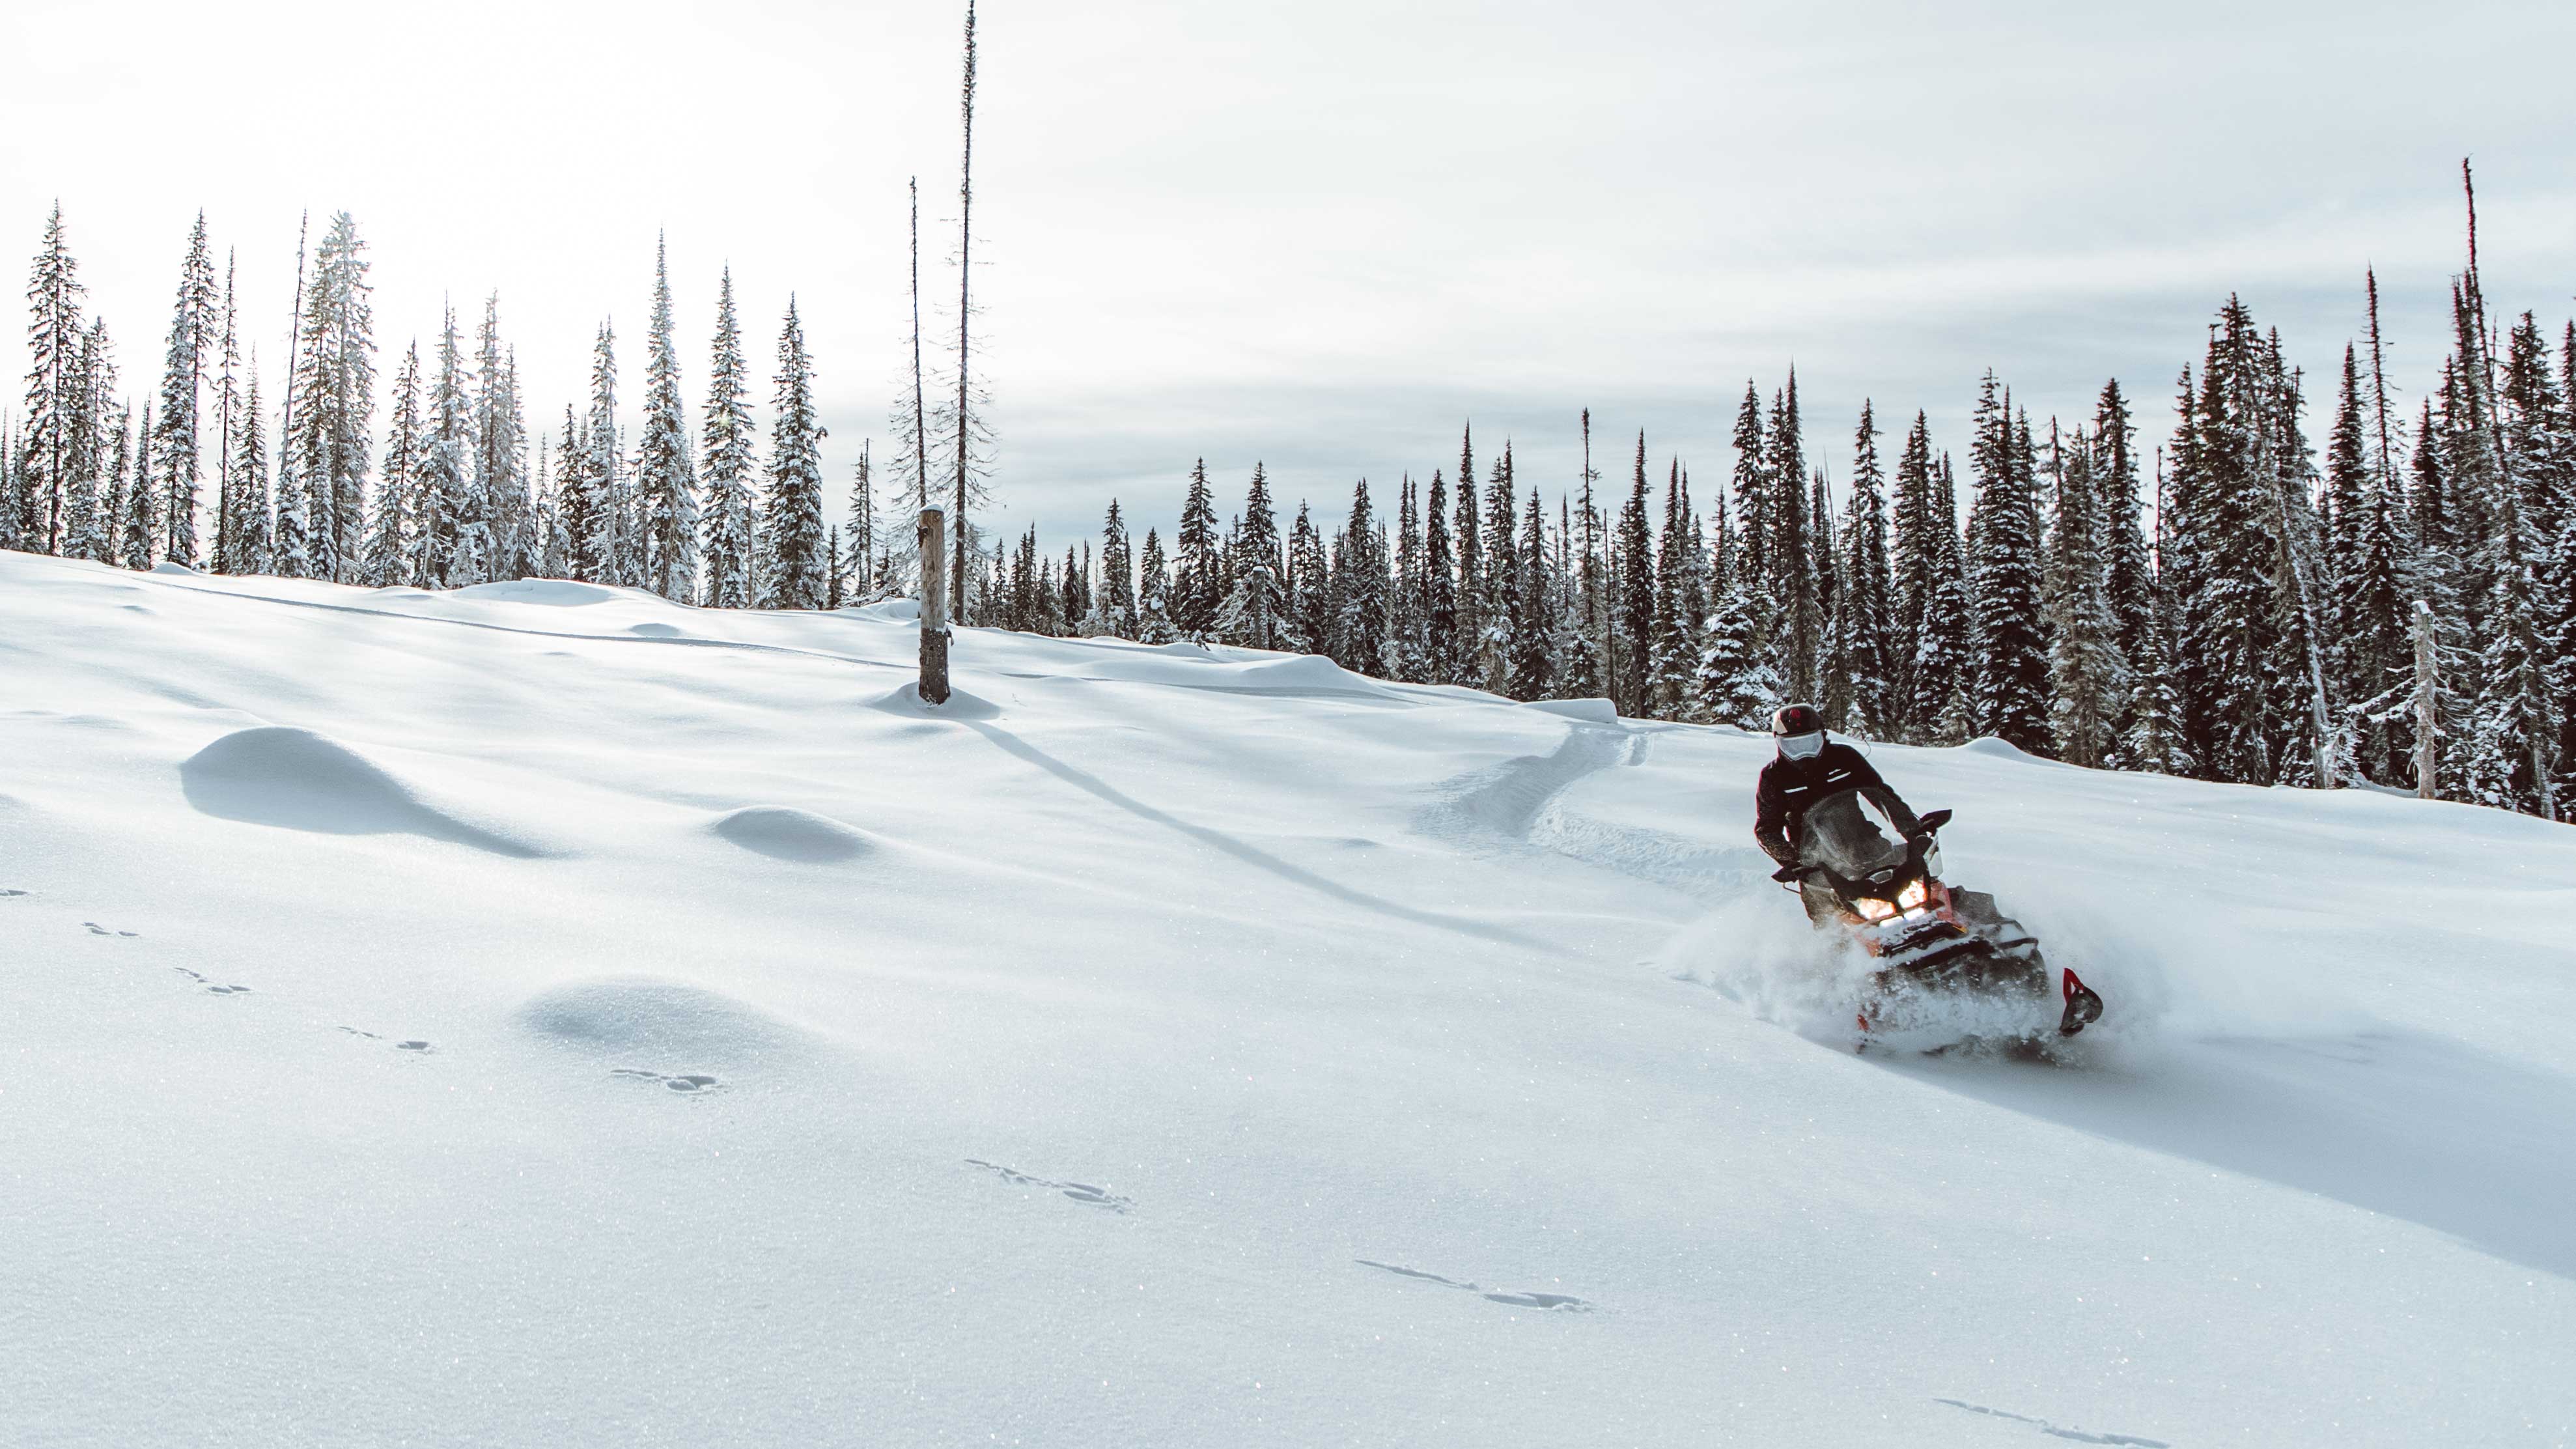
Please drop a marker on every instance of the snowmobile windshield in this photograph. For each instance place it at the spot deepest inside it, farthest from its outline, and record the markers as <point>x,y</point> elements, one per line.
<point>1841,833</point>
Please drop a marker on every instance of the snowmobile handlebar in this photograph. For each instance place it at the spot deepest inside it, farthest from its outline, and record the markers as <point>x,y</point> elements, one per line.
<point>1926,825</point>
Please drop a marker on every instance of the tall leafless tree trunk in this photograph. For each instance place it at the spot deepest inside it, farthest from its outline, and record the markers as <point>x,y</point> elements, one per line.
<point>965,314</point>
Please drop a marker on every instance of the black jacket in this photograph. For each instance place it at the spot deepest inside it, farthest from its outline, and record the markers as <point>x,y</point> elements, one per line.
<point>1789,786</point>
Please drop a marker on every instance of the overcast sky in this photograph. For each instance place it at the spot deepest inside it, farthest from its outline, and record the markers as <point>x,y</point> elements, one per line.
<point>1327,234</point>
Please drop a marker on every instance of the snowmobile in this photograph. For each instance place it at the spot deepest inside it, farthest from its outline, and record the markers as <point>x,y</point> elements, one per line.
<point>1932,942</point>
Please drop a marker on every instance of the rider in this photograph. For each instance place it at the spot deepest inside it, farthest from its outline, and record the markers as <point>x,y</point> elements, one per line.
<point>1807,769</point>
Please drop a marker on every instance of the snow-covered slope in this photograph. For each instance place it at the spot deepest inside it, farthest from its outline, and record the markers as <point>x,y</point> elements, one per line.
<point>537,1014</point>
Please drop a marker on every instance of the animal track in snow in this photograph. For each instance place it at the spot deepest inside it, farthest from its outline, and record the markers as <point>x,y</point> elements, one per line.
<point>400,1046</point>
<point>96,929</point>
<point>211,987</point>
<point>1081,1192</point>
<point>2128,1441</point>
<point>1544,1302</point>
<point>691,1082</point>
<point>6,893</point>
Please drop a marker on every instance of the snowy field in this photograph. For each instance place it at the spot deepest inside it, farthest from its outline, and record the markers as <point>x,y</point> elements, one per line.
<point>542,1015</point>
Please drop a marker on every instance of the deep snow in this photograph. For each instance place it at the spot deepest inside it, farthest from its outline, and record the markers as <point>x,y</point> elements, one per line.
<point>541,1014</point>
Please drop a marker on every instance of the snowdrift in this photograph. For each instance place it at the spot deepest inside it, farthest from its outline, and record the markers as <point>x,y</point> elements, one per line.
<point>538,1013</point>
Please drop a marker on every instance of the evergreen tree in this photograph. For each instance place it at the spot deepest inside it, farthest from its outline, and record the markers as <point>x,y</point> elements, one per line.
<point>1736,684</point>
<point>228,555</point>
<point>2128,581</point>
<point>1409,642</point>
<point>1753,506</point>
<point>1944,670</point>
<point>139,521</point>
<point>858,560</point>
<point>1796,643</point>
<point>1535,647</point>
<point>1499,602</point>
<point>1439,587</point>
<point>2009,637</point>
<point>2154,741</point>
<point>333,404</point>
<point>2088,671</point>
<point>1467,537</point>
<point>1864,602</point>
<point>1201,584</point>
<point>389,541</point>
<point>500,486</point>
<point>1117,595</point>
<point>1634,620</point>
<point>55,395</point>
<point>88,461</point>
<point>88,514</point>
<point>727,435</point>
<point>1308,612</point>
<point>1252,615</point>
<point>1672,652</point>
<point>451,518</point>
<point>667,480</point>
<point>1363,603</point>
<point>1153,595</point>
<point>1920,553</point>
<point>192,334</point>
<point>252,532</point>
<point>793,541</point>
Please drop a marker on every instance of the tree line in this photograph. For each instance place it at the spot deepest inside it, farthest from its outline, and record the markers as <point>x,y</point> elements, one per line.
<point>2235,603</point>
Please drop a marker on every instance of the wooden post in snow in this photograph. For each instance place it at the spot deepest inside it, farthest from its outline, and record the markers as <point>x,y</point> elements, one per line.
<point>934,606</point>
<point>2428,712</point>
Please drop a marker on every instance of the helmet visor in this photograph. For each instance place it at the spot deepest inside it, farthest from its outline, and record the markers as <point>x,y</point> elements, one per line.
<point>1803,747</point>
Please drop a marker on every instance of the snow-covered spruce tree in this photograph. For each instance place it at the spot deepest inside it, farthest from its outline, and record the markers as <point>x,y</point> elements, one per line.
<point>668,483</point>
<point>252,530</point>
<point>726,433</point>
<point>55,396</point>
<point>2510,759</point>
<point>1409,634</point>
<point>1361,587</point>
<point>1915,563</point>
<point>594,487</point>
<point>1307,611</point>
<point>1672,643</point>
<point>1754,508</point>
<point>1796,643</point>
<point>1536,647</point>
<point>138,521</point>
<point>389,537</point>
<point>2154,741</point>
<point>1116,606</point>
<point>1736,684</point>
<point>1252,614</point>
<point>1201,581</point>
<point>227,395</point>
<point>792,542</point>
<point>89,509</point>
<point>334,402</point>
<point>1499,599</point>
<point>1944,670</point>
<point>88,459</point>
<point>1439,585</point>
<point>1584,672</point>
<point>1864,604</point>
<point>501,452</point>
<point>452,537</point>
<point>1153,595</point>
<point>1633,619</point>
<point>857,559</point>
<point>192,334</point>
<point>1467,539</point>
<point>2128,578</point>
<point>2010,637</point>
<point>2088,672</point>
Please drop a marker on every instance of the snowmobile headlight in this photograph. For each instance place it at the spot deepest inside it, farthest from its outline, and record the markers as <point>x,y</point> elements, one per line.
<point>1913,895</point>
<point>1873,910</point>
